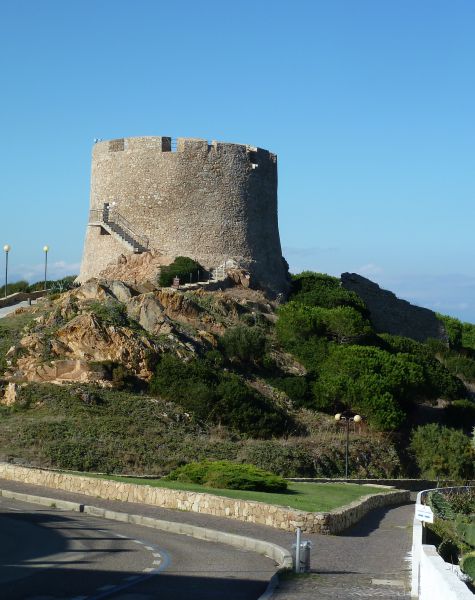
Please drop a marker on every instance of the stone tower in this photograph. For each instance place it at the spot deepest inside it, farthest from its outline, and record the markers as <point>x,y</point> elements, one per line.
<point>213,202</point>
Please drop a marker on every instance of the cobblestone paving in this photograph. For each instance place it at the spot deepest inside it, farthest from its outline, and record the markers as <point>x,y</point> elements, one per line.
<point>369,561</point>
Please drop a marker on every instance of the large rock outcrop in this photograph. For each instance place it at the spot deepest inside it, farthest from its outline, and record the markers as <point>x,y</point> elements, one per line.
<point>390,314</point>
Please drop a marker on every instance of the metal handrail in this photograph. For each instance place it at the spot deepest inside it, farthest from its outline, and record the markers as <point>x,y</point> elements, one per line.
<point>112,217</point>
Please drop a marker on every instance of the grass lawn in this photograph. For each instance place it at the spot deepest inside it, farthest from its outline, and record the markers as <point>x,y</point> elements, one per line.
<point>313,497</point>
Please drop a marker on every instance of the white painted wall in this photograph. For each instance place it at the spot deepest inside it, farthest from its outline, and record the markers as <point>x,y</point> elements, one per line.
<point>432,577</point>
<point>437,579</point>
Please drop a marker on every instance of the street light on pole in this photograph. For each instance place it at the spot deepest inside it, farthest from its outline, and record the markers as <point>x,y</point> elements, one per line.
<point>45,250</point>
<point>346,418</point>
<point>6,249</point>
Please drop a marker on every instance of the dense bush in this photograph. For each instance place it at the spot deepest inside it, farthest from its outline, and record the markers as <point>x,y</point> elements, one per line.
<point>318,289</point>
<point>460,365</point>
<point>56,285</point>
<point>323,457</point>
<point>453,529</point>
<point>218,397</point>
<point>442,452</point>
<point>299,323</point>
<point>296,387</point>
<point>245,345</point>
<point>229,475</point>
<point>13,288</point>
<point>376,383</point>
<point>439,382</point>
<point>454,330</point>
<point>186,269</point>
<point>461,335</point>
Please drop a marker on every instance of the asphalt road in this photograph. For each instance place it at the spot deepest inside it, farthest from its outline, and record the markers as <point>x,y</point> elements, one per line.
<point>49,554</point>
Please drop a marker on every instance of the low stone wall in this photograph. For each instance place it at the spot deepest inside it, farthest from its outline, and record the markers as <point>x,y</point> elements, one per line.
<point>280,517</point>
<point>414,485</point>
<point>21,297</point>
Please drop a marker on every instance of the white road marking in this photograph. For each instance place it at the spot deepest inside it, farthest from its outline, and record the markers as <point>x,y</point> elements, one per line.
<point>157,555</point>
<point>149,548</point>
<point>105,588</point>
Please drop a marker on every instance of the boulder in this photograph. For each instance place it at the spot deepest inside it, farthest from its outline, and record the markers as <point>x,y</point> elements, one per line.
<point>390,314</point>
<point>146,310</point>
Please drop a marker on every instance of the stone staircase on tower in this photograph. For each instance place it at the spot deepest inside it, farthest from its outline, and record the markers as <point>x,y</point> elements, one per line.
<point>118,226</point>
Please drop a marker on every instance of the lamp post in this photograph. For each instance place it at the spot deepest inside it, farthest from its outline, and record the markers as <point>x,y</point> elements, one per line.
<point>346,418</point>
<point>6,249</point>
<point>45,250</point>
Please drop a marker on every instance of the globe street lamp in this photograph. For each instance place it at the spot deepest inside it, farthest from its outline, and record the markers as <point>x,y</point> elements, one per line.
<point>346,418</point>
<point>45,250</point>
<point>6,249</point>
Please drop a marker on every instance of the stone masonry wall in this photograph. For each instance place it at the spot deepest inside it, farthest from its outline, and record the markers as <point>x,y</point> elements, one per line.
<point>390,314</point>
<point>280,517</point>
<point>211,202</point>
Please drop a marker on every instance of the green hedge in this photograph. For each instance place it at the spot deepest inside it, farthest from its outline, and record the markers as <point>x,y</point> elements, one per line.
<point>442,453</point>
<point>186,269</point>
<point>319,289</point>
<point>228,475</point>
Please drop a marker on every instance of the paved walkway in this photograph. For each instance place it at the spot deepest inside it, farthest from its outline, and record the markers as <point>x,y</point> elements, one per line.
<point>368,561</point>
<point>9,309</point>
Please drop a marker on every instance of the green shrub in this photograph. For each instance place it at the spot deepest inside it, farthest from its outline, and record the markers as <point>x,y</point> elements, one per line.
<point>460,365</point>
<point>467,564</point>
<point>297,388</point>
<point>323,457</point>
<point>111,312</point>
<point>13,288</point>
<point>468,335</point>
<point>218,397</point>
<point>229,475</point>
<point>438,380</point>
<point>298,323</point>
<point>454,330</point>
<point>182,267</point>
<point>466,530</point>
<point>440,505</point>
<point>442,452</point>
<point>243,344</point>
<point>462,503</point>
<point>55,286</point>
<point>318,289</point>
<point>371,381</point>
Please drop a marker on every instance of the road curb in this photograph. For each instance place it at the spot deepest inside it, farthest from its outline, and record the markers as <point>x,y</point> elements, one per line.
<point>280,555</point>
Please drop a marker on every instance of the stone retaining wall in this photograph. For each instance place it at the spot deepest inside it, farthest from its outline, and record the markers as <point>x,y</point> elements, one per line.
<point>280,517</point>
<point>414,485</point>
<point>21,297</point>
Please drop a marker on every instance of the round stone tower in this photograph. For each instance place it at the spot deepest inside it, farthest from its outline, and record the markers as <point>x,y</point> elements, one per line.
<point>213,202</point>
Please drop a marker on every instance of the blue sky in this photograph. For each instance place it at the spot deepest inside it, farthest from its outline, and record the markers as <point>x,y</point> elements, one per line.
<point>369,105</point>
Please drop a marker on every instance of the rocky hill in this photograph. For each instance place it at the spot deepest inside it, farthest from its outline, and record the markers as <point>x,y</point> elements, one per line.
<point>245,377</point>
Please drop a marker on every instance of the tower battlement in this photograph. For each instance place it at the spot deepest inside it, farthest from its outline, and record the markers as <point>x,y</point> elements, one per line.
<point>209,200</point>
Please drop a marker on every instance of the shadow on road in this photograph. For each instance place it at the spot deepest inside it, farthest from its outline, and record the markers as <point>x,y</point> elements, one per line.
<point>36,561</point>
<point>370,522</point>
